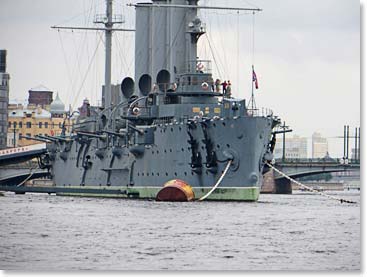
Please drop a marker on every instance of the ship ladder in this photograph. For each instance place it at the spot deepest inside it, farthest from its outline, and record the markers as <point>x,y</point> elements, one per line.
<point>309,188</point>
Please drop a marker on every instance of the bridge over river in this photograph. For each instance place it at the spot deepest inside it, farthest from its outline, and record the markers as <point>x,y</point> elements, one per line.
<point>297,168</point>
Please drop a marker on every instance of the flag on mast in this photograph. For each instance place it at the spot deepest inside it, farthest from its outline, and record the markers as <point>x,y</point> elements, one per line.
<point>254,78</point>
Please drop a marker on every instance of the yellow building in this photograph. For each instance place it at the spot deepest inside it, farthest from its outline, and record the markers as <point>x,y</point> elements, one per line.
<point>32,121</point>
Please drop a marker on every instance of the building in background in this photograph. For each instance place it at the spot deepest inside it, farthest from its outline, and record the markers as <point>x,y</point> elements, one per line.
<point>295,148</point>
<point>320,148</point>
<point>4,99</point>
<point>31,121</point>
<point>40,96</point>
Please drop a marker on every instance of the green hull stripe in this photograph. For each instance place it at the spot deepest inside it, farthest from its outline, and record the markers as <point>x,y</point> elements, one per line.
<point>220,194</point>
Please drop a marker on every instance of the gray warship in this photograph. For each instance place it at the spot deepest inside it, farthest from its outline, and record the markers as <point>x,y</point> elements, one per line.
<point>172,135</point>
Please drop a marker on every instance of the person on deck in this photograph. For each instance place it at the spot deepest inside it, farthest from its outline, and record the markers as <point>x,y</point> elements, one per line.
<point>224,86</point>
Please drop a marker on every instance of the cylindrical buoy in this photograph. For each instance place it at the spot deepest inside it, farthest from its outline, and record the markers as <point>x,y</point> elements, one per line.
<point>175,191</point>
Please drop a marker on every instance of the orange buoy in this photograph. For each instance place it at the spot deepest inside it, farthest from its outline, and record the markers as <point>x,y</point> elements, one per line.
<point>175,191</point>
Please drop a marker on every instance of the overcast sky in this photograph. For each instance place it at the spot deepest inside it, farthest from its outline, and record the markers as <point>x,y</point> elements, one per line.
<point>307,55</point>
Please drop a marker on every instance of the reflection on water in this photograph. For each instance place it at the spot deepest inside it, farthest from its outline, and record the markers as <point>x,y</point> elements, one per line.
<point>280,232</point>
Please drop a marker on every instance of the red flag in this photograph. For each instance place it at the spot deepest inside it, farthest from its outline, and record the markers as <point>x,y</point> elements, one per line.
<point>254,78</point>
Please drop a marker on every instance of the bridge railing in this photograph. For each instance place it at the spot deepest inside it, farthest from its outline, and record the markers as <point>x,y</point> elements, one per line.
<point>318,161</point>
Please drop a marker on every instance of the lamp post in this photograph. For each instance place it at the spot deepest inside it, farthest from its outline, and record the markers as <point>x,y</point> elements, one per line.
<point>284,127</point>
<point>14,137</point>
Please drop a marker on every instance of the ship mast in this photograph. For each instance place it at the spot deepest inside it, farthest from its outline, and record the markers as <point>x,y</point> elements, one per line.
<point>108,35</point>
<point>108,20</point>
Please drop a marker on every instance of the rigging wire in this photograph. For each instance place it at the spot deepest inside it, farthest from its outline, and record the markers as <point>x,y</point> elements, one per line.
<point>80,14</point>
<point>66,62</point>
<point>85,76</point>
<point>253,38</point>
<point>122,54</point>
<point>238,52</point>
<point>96,79</point>
<point>222,43</point>
<point>214,56</point>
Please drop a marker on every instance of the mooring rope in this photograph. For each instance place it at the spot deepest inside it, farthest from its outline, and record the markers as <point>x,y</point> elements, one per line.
<point>26,179</point>
<point>218,182</point>
<point>309,188</point>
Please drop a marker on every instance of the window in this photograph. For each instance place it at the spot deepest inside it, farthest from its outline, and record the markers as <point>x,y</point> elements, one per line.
<point>52,125</point>
<point>20,136</point>
<point>9,125</point>
<point>40,125</point>
<point>29,125</point>
<point>20,124</point>
<point>14,124</point>
<point>46,125</point>
<point>60,126</point>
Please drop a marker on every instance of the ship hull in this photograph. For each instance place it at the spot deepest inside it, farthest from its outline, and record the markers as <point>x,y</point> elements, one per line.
<point>141,170</point>
<point>149,193</point>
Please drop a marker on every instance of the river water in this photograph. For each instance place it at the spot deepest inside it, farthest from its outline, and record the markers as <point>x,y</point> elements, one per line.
<point>280,232</point>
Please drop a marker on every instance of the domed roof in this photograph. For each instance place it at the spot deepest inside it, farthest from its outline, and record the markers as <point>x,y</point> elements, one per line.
<point>57,106</point>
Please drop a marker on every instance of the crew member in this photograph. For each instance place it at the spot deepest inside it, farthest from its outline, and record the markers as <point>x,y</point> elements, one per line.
<point>224,86</point>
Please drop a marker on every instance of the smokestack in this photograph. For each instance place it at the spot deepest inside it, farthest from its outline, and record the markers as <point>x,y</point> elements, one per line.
<point>359,144</point>
<point>355,144</point>
<point>344,142</point>
<point>347,142</point>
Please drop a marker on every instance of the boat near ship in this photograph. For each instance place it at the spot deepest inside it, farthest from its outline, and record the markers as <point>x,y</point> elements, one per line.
<point>173,136</point>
